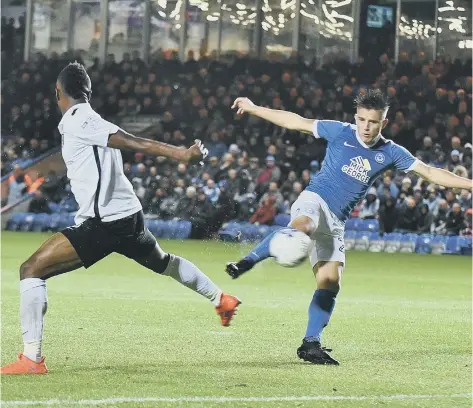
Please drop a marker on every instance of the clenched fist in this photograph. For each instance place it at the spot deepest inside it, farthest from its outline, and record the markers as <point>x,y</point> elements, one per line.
<point>196,153</point>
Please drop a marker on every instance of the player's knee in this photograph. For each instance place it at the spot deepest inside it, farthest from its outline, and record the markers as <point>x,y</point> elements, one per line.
<point>161,263</point>
<point>29,269</point>
<point>304,224</point>
<point>329,276</point>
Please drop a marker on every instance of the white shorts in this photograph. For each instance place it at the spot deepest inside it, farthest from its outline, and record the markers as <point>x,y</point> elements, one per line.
<point>327,240</point>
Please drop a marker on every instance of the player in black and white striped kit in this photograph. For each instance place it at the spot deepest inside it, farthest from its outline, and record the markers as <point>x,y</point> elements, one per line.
<point>110,217</point>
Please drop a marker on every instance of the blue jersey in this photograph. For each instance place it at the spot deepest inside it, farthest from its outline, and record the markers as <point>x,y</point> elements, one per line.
<point>350,166</point>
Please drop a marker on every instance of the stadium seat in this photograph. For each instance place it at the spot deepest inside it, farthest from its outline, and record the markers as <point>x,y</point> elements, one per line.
<point>424,244</point>
<point>282,219</point>
<point>41,222</point>
<point>454,245</point>
<point>27,224</point>
<point>54,207</point>
<point>248,232</point>
<point>438,244</point>
<point>62,221</point>
<point>350,238</point>
<point>184,229</point>
<point>466,246</point>
<point>53,222</point>
<point>368,225</point>
<point>15,221</point>
<point>153,226</point>
<point>231,225</point>
<point>263,232</point>
<point>408,243</point>
<point>362,241</point>
<point>170,229</point>
<point>392,242</point>
<point>376,242</point>
<point>352,224</point>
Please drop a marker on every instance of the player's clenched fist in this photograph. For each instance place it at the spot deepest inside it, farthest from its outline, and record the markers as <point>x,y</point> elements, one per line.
<point>243,105</point>
<point>196,153</point>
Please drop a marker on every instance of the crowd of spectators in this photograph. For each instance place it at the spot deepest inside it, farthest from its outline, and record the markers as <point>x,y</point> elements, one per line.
<point>256,170</point>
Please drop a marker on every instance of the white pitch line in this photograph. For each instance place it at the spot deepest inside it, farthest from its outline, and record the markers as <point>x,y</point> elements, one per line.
<point>109,401</point>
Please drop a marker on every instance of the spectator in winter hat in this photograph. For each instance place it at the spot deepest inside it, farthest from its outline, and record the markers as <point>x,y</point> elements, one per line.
<point>455,157</point>
<point>234,150</point>
<point>424,219</point>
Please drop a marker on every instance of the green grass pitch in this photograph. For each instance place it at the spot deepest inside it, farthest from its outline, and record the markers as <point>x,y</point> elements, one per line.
<point>401,330</point>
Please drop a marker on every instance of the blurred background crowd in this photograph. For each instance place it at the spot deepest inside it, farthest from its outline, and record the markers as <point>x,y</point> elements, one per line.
<point>255,170</point>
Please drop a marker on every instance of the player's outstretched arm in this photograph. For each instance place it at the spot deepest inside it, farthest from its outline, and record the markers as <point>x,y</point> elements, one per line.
<point>125,141</point>
<point>441,177</point>
<point>281,118</point>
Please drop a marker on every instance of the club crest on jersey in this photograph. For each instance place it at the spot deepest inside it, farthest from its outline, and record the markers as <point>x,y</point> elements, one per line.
<point>358,169</point>
<point>379,158</point>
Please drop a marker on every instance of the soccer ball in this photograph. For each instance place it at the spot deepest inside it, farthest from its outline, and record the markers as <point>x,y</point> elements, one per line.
<point>289,248</point>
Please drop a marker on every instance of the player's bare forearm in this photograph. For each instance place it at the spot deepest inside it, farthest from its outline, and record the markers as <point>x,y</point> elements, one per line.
<point>125,141</point>
<point>442,177</point>
<point>281,118</point>
<point>284,119</point>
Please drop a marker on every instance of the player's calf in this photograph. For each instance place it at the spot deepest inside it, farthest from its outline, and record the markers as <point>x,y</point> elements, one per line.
<point>328,276</point>
<point>189,275</point>
<point>55,256</point>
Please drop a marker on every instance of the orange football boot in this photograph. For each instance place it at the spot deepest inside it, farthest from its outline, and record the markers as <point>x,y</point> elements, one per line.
<point>227,308</point>
<point>25,366</point>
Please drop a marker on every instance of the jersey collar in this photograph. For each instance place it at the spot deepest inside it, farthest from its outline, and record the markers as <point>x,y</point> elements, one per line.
<point>375,141</point>
<point>70,110</point>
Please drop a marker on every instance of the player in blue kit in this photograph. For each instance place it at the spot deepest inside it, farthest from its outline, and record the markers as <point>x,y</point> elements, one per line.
<point>356,156</point>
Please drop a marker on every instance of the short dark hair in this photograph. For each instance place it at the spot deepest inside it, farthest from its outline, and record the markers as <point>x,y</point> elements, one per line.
<point>75,81</point>
<point>373,99</point>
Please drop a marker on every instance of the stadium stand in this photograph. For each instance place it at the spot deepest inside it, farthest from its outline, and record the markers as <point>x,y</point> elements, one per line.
<point>255,170</point>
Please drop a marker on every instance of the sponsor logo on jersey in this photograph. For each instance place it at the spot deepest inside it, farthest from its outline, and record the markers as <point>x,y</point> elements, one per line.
<point>358,169</point>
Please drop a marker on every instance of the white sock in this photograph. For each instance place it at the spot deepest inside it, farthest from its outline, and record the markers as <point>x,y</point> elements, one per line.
<point>189,275</point>
<point>33,306</point>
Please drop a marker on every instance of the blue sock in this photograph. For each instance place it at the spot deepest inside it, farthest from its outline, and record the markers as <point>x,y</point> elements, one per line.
<point>320,310</point>
<point>261,252</point>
